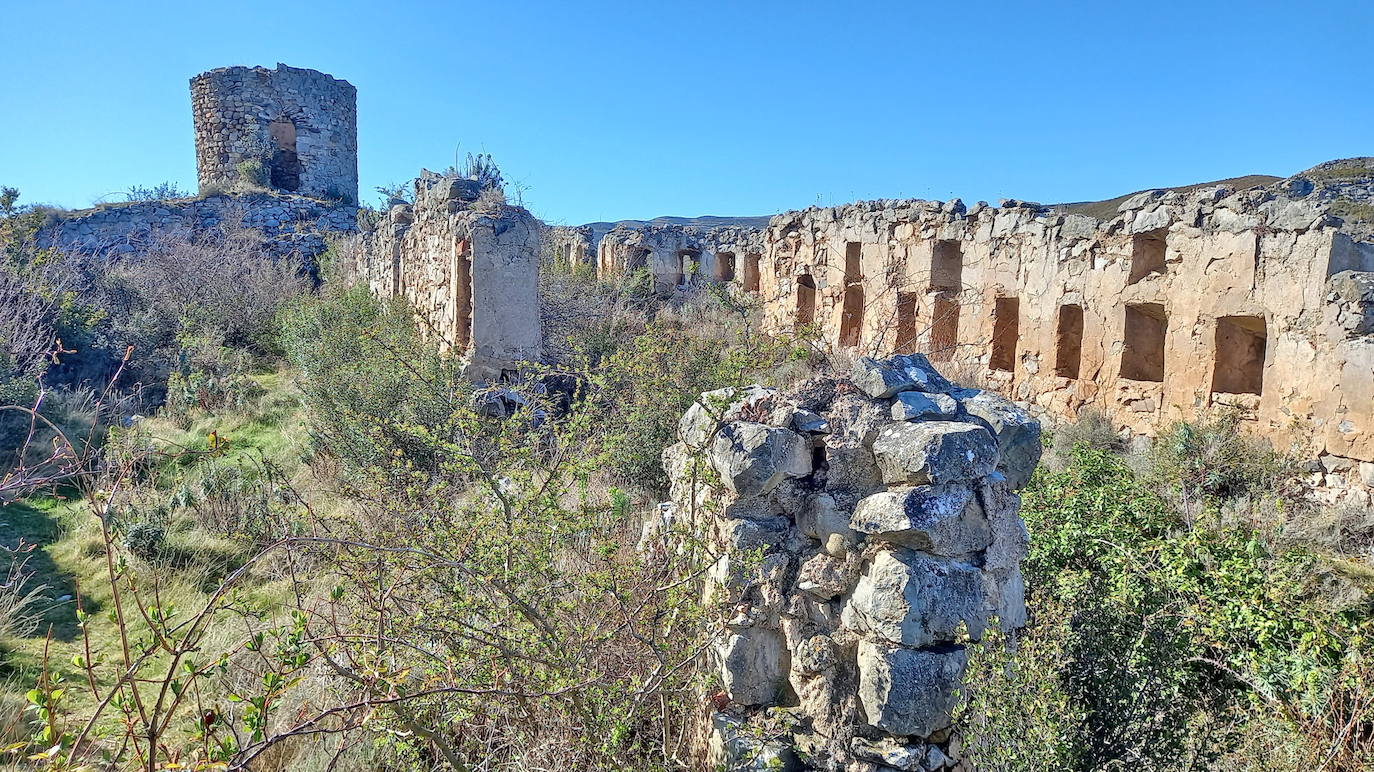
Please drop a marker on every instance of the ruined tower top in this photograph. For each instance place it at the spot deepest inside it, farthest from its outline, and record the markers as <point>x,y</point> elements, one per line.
<point>289,129</point>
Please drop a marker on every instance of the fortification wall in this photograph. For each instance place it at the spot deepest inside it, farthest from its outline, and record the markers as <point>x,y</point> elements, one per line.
<point>302,124</point>
<point>290,224</point>
<point>676,255</point>
<point>470,269</point>
<point>1256,300</point>
<point>574,247</point>
<point>868,532</point>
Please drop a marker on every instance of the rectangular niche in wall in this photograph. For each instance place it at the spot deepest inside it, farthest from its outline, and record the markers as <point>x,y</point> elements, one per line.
<point>852,321</point>
<point>851,326</point>
<point>462,296</point>
<point>1142,357</point>
<point>1147,255</point>
<point>687,262</point>
<point>725,266</point>
<point>806,299</point>
<point>946,265</point>
<point>639,258</point>
<point>751,273</point>
<point>1241,344</point>
<point>853,262</point>
<point>284,169</point>
<point>1068,342</point>
<point>1005,330</point>
<point>906,323</point>
<point>944,328</point>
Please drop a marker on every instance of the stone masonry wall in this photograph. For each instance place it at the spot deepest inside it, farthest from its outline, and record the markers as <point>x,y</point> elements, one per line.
<point>302,123</point>
<point>470,269</point>
<point>1184,302</point>
<point>868,531</point>
<point>676,255</point>
<point>290,224</point>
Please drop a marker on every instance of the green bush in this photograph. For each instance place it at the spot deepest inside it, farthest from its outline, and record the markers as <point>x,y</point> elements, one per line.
<point>368,377</point>
<point>254,172</point>
<point>1157,639</point>
<point>1216,459</point>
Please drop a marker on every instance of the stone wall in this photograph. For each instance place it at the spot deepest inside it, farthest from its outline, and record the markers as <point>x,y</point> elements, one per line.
<point>290,224</point>
<point>470,269</point>
<point>1184,302</point>
<point>303,124</point>
<point>573,247</point>
<point>676,255</point>
<point>869,532</point>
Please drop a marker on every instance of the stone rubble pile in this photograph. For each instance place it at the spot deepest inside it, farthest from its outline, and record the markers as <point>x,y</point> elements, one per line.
<point>868,532</point>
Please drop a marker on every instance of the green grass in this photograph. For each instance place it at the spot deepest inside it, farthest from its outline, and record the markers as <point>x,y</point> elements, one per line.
<point>69,549</point>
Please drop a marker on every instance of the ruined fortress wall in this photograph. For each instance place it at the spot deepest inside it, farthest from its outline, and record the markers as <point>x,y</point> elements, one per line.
<point>290,224</point>
<point>1182,303</point>
<point>303,124</point>
<point>471,271</point>
<point>573,247</point>
<point>675,255</point>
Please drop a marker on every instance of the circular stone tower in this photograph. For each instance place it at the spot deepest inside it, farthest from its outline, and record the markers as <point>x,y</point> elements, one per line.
<point>293,130</point>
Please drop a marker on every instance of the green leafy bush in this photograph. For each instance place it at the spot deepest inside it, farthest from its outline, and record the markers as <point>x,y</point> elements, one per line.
<point>1159,639</point>
<point>254,172</point>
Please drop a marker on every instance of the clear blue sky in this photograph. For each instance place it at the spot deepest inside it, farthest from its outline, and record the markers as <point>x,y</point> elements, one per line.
<point>636,109</point>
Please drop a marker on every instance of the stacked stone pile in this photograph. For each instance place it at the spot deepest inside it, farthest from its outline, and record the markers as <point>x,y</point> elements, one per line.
<point>867,532</point>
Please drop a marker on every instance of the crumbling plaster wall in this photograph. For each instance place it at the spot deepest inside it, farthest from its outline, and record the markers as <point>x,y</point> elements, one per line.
<point>868,532</point>
<point>469,268</point>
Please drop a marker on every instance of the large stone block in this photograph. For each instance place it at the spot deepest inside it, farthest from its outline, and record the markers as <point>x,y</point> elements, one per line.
<point>909,692</point>
<point>1018,435</point>
<point>912,405</point>
<point>934,453</point>
<point>944,520</point>
<point>753,665</point>
<point>752,458</point>
<point>911,599</point>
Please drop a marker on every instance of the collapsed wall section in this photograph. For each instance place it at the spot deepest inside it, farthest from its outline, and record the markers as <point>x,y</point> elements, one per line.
<point>290,225</point>
<point>868,533</point>
<point>469,268</point>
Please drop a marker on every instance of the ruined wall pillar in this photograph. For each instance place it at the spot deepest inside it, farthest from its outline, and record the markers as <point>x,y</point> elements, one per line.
<point>868,533</point>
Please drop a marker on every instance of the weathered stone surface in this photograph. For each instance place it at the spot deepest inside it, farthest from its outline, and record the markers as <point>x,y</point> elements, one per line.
<point>752,458</point>
<point>907,598</point>
<point>934,453</point>
<point>880,380</point>
<point>301,124</point>
<point>837,620</point>
<point>944,520</point>
<point>1018,435</point>
<point>825,522</point>
<point>826,577</point>
<point>909,692</point>
<point>915,404</point>
<point>733,750</point>
<point>852,472</point>
<point>922,373</point>
<point>890,753</point>
<point>753,665</point>
<point>714,408</point>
